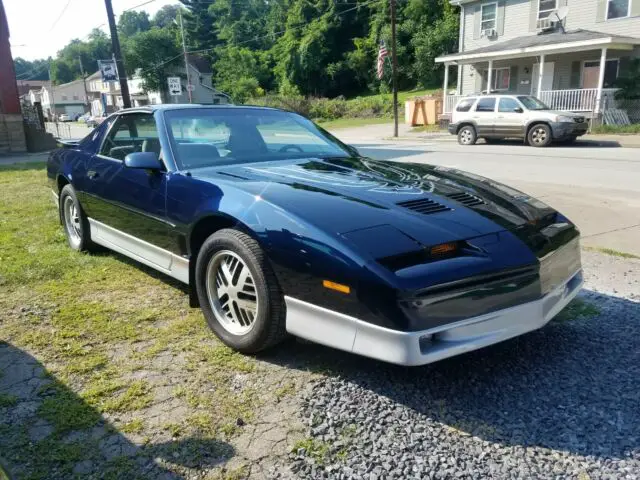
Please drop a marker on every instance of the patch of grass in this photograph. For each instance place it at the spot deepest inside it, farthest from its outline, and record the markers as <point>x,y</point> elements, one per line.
<point>7,400</point>
<point>66,411</point>
<point>617,129</point>
<point>313,448</point>
<point>203,422</point>
<point>577,308</point>
<point>230,474</point>
<point>118,468</point>
<point>612,252</point>
<point>135,397</point>
<point>134,426</point>
<point>285,390</point>
<point>175,429</point>
<point>353,122</point>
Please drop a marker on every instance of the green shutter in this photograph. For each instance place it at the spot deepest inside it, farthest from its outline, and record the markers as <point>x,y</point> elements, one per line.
<point>501,12</point>
<point>513,78</point>
<point>575,74</point>
<point>601,14</point>
<point>477,22</point>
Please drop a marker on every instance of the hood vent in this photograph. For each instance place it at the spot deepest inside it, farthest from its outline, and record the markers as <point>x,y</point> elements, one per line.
<point>424,206</point>
<point>467,199</point>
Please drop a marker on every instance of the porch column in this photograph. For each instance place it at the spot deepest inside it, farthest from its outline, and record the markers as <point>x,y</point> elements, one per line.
<point>540,75</point>
<point>444,87</point>
<point>459,84</point>
<point>489,75</point>
<point>603,62</point>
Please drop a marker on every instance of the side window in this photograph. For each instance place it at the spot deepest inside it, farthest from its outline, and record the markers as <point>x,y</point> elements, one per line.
<point>465,105</point>
<point>507,105</point>
<point>133,132</point>
<point>486,104</point>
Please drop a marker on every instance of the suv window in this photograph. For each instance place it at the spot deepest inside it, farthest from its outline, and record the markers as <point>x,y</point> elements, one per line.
<point>465,104</point>
<point>507,105</point>
<point>133,132</point>
<point>486,104</point>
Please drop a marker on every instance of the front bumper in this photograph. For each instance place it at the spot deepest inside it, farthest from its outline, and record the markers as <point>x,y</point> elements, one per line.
<point>453,128</point>
<point>347,333</point>
<point>563,130</point>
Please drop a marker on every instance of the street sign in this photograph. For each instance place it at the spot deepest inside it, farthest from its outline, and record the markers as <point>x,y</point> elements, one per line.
<point>175,87</point>
<point>108,70</point>
<point>191,88</point>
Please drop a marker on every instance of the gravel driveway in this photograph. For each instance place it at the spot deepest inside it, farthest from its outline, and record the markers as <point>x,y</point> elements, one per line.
<point>562,402</point>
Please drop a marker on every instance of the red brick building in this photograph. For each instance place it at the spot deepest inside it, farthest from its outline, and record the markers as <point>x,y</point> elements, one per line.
<point>12,138</point>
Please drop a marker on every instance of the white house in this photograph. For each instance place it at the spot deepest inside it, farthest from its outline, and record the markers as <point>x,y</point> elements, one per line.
<point>68,98</point>
<point>567,52</point>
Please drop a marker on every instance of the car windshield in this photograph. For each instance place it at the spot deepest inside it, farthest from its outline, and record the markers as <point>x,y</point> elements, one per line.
<point>205,137</point>
<point>532,103</point>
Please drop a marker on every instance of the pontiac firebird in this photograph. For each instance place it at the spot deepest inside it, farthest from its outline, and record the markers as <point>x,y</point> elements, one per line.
<point>280,229</point>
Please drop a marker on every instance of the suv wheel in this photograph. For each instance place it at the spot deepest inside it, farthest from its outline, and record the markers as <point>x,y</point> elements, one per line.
<point>467,135</point>
<point>539,135</point>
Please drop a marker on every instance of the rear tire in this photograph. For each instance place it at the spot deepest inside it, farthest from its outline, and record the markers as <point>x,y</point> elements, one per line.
<point>467,135</point>
<point>539,135</point>
<point>74,221</point>
<point>239,293</point>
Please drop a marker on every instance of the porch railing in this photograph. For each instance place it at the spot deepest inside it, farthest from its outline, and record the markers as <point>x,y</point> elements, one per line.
<point>451,101</point>
<point>577,100</point>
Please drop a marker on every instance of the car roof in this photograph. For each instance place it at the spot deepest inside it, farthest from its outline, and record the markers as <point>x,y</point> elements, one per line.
<point>191,106</point>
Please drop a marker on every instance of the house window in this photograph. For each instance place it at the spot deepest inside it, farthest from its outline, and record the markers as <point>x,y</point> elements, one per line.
<point>488,13</point>
<point>75,97</point>
<point>546,7</point>
<point>500,78</point>
<point>618,8</point>
<point>64,97</point>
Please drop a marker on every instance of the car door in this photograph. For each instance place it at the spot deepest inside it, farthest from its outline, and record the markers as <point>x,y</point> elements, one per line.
<point>484,116</point>
<point>128,202</point>
<point>510,119</point>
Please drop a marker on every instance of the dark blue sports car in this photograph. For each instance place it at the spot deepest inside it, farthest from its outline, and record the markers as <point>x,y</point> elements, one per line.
<point>279,228</point>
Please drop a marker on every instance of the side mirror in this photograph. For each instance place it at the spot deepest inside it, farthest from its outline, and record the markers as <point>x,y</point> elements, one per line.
<point>143,160</point>
<point>518,110</point>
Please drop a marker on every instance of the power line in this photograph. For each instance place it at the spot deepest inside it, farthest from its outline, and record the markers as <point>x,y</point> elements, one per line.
<point>138,6</point>
<point>64,9</point>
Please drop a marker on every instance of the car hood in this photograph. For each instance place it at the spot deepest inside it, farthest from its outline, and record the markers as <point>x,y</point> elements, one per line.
<point>343,195</point>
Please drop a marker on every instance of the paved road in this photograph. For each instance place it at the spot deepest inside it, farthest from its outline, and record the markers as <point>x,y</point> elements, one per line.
<point>597,187</point>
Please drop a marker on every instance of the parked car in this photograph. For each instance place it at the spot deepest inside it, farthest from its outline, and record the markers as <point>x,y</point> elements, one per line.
<point>93,122</point>
<point>279,228</point>
<point>65,117</point>
<point>496,117</point>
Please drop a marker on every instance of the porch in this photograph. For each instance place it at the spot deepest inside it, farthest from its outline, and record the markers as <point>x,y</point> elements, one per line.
<point>572,71</point>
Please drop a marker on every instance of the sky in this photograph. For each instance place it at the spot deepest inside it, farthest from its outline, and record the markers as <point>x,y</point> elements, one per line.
<point>39,28</point>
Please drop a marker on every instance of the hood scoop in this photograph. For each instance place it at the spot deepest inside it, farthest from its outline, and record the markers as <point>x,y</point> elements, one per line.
<point>466,198</point>
<point>424,206</point>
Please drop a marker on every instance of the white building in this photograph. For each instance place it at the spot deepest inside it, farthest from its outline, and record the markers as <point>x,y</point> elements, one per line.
<point>68,98</point>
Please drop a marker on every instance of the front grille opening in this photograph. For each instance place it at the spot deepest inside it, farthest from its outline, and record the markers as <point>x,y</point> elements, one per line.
<point>466,198</point>
<point>425,206</point>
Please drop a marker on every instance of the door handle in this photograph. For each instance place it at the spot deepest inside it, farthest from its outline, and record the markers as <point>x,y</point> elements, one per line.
<point>92,174</point>
<point>501,116</point>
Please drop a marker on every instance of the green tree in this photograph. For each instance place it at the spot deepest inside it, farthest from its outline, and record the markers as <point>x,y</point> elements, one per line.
<point>132,22</point>
<point>241,72</point>
<point>27,70</point>
<point>154,55</point>
<point>165,16</point>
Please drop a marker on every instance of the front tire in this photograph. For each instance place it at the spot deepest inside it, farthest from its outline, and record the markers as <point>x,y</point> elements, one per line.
<point>74,221</point>
<point>539,135</point>
<point>467,135</point>
<point>238,292</point>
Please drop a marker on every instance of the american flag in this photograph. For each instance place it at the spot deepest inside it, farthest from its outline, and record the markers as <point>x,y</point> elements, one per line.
<point>382,54</point>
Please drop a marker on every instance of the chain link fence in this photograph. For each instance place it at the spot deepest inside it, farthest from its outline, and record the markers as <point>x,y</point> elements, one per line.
<point>621,111</point>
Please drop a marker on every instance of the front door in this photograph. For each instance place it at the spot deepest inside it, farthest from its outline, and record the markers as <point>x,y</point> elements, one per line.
<point>131,201</point>
<point>509,119</point>
<point>547,78</point>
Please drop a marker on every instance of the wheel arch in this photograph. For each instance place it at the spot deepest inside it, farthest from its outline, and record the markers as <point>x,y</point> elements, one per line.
<point>202,229</point>
<point>532,124</point>
<point>467,123</point>
<point>61,181</point>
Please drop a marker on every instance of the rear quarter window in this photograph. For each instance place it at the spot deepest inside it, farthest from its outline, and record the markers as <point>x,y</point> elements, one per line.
<point>465,105</point>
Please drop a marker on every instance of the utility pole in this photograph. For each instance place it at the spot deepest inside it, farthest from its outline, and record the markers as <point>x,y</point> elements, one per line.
<point>84,82</point>
<point>184,52</point>
<point>53,101</point>
<point>394,66</point>
<point>117,55</point>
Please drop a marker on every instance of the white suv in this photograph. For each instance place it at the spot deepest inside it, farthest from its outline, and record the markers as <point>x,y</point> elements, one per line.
<point>494,117</point>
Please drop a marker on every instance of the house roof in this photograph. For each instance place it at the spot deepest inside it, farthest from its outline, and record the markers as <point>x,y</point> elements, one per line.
<point>201,64</point>
<point>554,42</point>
